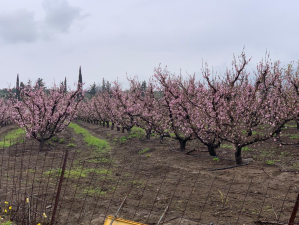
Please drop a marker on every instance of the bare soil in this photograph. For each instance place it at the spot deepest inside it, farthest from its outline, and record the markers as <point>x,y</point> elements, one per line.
<point>156,175</point>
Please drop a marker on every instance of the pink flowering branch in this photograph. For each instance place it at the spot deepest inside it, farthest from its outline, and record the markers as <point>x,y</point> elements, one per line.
<point>175,120</point>
<point>242,111</point>
<point>44,115</point>
<point>4,112</point>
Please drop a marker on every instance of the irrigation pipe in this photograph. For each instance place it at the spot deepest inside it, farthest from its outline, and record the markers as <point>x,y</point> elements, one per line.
<point>224,168</point>
<point>229,167</point>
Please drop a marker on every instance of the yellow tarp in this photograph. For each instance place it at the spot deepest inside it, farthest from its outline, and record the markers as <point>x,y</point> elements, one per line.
<point>120,221</point>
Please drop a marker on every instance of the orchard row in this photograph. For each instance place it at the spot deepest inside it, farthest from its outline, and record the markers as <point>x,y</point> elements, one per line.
<point>239,108</point>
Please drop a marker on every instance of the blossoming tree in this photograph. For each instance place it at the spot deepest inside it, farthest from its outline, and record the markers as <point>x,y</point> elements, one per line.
<point>4,112</point>
<point>44,115</point>
<point>246,119</point>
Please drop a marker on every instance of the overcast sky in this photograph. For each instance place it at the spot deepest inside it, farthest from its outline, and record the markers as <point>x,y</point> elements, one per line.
<point>50,39</point>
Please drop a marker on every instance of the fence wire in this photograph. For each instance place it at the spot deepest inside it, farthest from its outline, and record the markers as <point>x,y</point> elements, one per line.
<point>62,187</point>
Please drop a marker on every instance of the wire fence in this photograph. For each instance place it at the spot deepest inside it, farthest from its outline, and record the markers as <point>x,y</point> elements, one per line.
<point>63,187</point>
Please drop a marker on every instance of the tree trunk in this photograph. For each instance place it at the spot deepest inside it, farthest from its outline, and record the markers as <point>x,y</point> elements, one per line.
<point>103,123</point>
<point>148,134</point>
<point>182,144</point>
<point>212,150</point>
<point>123,130</point>
<point>112,126</point>
<point>128,130</point>
<point>238,156</point>
<point>41,145</point>
<point>107,124</point>
<point>118,128</point>
<point>249,132</point>
<point>297,121</point>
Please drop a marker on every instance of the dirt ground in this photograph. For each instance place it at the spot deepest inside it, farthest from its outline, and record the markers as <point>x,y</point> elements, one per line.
<point>156,175</point>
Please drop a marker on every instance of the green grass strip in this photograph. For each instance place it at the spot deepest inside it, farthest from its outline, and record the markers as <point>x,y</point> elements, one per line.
<point>12,136</point>
<point>91,140</point>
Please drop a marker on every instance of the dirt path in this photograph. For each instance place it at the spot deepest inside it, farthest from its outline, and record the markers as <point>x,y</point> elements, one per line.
<point>252,181</point>
<point>192,164</point>
<point>154,177</point>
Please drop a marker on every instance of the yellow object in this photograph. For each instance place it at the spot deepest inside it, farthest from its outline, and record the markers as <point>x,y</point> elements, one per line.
<point>120,221</point>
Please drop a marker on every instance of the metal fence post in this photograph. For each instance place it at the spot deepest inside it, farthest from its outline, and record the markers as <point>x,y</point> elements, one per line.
<point>59,188</point>
<point>295,209</point>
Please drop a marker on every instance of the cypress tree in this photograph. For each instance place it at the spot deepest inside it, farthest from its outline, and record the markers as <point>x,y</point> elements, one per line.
<point>40,82</point>
<point>80,82</point>
<point>103,85</point>
<point>143,88</point>
<point>65,87</point>
<point>18,88</point>
<point>80,76</point>
<point>93,89</point>
<point>22,85</point>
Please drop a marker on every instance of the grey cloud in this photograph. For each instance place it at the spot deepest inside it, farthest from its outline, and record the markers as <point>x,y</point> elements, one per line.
<point>18,26</point>
<point>60,15</point>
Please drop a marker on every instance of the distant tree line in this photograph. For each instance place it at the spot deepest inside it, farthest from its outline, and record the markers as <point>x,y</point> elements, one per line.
<point>105,86</point>
<point>21,85</point>
<point>94,88</point>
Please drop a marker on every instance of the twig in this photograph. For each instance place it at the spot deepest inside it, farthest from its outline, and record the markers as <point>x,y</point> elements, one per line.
<point>165,210</point>
<point>28,208</point>
<point>274,211</point>
<point>189,152</point>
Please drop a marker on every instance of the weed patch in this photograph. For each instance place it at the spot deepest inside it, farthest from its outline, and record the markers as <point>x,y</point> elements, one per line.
<point>123,140</point>
<point>100,145</point>
<point>295,136</point>
<point>94,191</point>
<point>226,146</point>
<point>143,151</point>
<point>71,145</point>
<point>55,139</point>
<point>75,173</point>
<point>137,132</point>
<point>270,162</point>
<point>12,136</point>
<point>247,149</point>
